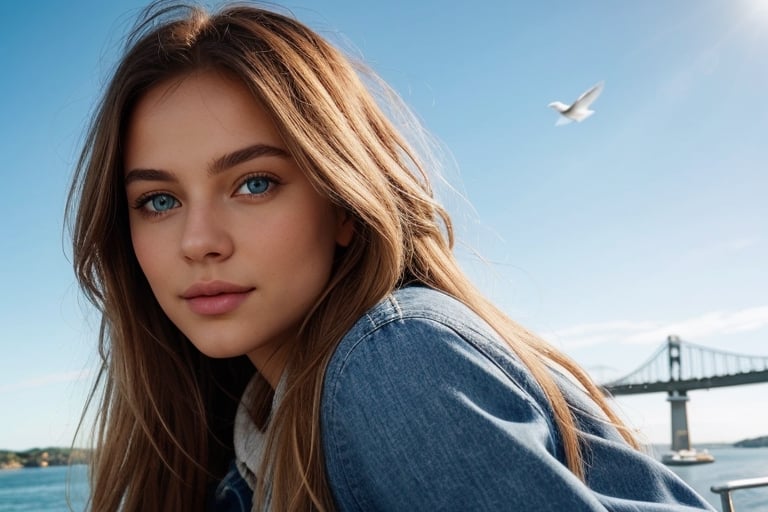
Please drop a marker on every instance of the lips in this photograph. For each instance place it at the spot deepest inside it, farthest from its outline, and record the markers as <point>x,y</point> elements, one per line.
<point>215,297</point>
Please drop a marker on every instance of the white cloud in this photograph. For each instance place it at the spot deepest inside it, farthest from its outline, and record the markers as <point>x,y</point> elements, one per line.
<point>46,380</point>
<point>651,333</point>
<point>725,248</point>
<point>709,324</point>
<point>603,327</point>
<point>584,335</point>
<point>740,244</point>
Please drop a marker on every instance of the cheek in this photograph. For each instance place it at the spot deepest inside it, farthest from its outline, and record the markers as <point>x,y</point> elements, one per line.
<point>321,234</point>
<point>304,243</point>
<point>139,243</point>
<point>150,257</point>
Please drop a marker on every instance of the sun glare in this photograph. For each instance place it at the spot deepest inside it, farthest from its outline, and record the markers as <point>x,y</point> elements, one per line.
<point>752,19</point>
<point>758,9</point>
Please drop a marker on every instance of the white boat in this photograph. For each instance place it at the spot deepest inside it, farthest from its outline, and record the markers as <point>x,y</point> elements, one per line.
<point>687,457</point>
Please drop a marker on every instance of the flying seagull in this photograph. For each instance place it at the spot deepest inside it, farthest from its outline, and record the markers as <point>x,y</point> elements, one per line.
<point>579,110</point>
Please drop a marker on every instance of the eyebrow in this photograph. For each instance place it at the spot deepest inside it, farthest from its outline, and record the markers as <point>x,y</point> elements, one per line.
<point>239,156</point>
<point>148,175</point>
<point>217,166</point>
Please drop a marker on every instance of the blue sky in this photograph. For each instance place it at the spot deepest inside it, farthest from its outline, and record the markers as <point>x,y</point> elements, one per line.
<point>648,219</point>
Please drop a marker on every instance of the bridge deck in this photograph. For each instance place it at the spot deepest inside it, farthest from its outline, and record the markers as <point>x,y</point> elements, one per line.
<point>687,385</point>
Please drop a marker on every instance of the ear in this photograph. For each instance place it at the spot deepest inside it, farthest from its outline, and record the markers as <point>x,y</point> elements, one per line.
<point>345,227</point>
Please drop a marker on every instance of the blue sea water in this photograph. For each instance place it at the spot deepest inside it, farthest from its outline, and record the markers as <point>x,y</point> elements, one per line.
<point>730,464</point>
<point>43,489</point>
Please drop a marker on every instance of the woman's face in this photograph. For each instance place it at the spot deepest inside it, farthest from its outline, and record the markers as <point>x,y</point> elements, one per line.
<point>234,241</point>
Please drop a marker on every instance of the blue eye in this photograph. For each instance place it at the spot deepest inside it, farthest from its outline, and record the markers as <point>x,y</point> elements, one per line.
<point>161,203</point>
<point>256,185</point>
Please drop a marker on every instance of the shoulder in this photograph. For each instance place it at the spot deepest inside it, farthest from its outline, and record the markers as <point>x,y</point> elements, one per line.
<point>414,302</point>
<point>418,320</point>
<point>417,387</point>
<point>418,333</point>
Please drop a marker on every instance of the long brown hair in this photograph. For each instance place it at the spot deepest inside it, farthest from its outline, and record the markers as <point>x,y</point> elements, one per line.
<point>165,413</point>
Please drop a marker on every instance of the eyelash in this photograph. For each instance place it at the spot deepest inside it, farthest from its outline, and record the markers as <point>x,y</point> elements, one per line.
<point>271,182</point>
<point>141,202</point>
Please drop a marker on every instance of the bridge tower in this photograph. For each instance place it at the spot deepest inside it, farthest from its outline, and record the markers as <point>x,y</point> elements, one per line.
<point>677,398</point>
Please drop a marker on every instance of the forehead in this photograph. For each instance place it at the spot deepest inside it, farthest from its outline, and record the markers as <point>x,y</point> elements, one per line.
<point>200,112</point>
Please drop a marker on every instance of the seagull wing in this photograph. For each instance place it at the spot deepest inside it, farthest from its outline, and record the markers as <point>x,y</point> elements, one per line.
<point>586,99</point>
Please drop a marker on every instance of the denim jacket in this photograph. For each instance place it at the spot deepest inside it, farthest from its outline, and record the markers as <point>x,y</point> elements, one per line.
<point>425,408</point>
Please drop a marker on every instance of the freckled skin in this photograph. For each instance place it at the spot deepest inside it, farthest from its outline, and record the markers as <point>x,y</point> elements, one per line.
<point>277,241</point>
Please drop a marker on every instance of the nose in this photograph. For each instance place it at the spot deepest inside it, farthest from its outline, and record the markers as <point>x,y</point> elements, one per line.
<point>205,236</point>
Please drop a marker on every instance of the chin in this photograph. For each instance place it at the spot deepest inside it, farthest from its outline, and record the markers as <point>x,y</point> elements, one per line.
<point>218,352</point>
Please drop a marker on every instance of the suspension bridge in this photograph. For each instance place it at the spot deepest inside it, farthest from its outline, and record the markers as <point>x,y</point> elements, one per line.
<point>678,367</point>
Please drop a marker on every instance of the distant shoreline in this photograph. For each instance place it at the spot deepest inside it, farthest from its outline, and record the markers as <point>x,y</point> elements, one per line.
<point>53,456</point>
<point>43,457</point>
<point>755,442</point>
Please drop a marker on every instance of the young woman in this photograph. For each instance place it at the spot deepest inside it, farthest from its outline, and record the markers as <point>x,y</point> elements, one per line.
<point>284,326</point>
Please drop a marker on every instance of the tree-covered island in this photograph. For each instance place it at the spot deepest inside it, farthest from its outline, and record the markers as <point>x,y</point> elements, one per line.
<point>755,442</point>
<point>42,457</point>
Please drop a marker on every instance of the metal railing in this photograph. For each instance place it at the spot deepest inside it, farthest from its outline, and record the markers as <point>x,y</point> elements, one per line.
<point>725,490</point>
